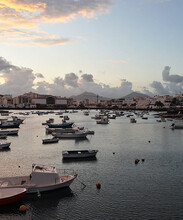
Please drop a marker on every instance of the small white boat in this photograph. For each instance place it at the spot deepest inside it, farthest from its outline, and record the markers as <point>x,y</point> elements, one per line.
<point>73,154</point>
<point>5,145</point>
<point>50,140</point>
<point>42,179</point>
<point>76,134</point>
<point>11,195</point>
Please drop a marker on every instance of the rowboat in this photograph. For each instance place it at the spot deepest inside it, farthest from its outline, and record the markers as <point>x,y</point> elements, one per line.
<point>76,134</point>
<point>50,140</point>
<point>5,145</point>
<point>11,195</point>
<point>73,154</point>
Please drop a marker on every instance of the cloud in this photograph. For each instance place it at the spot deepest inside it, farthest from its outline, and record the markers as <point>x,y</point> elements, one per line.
<point>19,16</point>
<point>171,78</point>
<point>87,77</point>
<point>71,79</point>
<point>30,38</point>
<point>159,88</point>
<point>17,79</point>
<point>39,75</point>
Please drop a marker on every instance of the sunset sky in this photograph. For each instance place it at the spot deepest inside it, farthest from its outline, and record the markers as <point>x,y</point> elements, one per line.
<point>108,47</point>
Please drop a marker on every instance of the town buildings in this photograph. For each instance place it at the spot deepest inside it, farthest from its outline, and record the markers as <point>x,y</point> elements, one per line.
<point>34,100</point>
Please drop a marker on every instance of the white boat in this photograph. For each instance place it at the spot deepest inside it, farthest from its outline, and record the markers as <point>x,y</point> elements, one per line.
<point>50,140</point>
<point>73,154</point>
<point>42,179</point>
<point>76,134</point>
<point>103,121</point>
<point>5,145</point>
<point>11,195</point>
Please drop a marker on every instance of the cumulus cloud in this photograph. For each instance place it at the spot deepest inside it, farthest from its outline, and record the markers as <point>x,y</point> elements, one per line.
<point>159,88</point>
<point>171,78</point>
<point>19,16</point>
<point>17,79</point>
<point>39,75</point>
<point>71,79</point>
<point>87,77</point>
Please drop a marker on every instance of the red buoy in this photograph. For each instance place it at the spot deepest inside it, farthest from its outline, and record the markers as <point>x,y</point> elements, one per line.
<point>22,208</point>
<point>98,185</point>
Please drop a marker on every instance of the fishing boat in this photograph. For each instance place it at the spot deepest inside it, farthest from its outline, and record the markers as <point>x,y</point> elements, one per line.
<point>4,123</point>
<point>42,179</point>
<point>103,121</point>
<point>50,140</point>
<point>8,132</point>
<point>73,154</point>
<point>5,145</point>
<point>76,134</point>
<point>11,195</point>
<point>173,126</point>
<point>133,120</point>
<point>62,125</point>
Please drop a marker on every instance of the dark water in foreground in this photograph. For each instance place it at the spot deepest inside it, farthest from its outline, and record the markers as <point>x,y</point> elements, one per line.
<point>149,190</point>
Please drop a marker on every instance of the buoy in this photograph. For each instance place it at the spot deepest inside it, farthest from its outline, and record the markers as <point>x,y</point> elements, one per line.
<point>143,159</point>
<point>113,152</point>
<point>22,208</point>
<point>149,141</point>
<point>18,166</point>
<point>136,161</point>
<point>98,185</point>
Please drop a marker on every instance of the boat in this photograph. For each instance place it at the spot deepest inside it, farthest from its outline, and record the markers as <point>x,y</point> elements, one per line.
<point>42,179</point>
<point>50,140</point>
<point>73,154</point>
<point>11,195</point>
<point>9,132</point>
<point>9,124</point>
<point>63,125</point>
<point>76,134</point>
<point>133,120</point>
<point>5,145</point>
<point>3,136</point>
<point>103,121</point>
<point>173,126</point>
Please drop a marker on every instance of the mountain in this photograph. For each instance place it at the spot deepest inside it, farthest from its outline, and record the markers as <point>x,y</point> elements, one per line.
<point>90,96</point>
<point>135,95</point>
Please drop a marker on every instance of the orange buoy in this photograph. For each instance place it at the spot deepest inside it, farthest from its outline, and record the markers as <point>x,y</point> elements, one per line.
<point>98,185</point>
<point>22,208</point>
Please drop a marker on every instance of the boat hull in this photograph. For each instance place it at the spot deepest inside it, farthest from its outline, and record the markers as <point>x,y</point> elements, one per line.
<point>12,198</point>
<point>65,125</point>
<point>32,188</point>
<point>79,154</point>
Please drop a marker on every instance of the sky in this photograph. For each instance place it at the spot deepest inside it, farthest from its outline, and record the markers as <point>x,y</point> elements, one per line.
<point>108,47</point>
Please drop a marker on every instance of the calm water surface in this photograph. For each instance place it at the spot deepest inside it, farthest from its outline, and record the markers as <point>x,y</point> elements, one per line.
<point>149,190</point>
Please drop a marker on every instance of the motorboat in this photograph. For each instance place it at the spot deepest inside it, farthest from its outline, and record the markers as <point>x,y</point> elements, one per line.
<point>5,145</point>
<point>42,179</point>
<point>76,134</point>
<point>9,132</point>
<point>11,195</point>
<point>73,154</point>
<point>62,125</point>
<point>103,121</point>
<point>133,120</point>
<point>173,126</point>
<point>4,123</point>
<point>62,130</point>
<point>50,140</point>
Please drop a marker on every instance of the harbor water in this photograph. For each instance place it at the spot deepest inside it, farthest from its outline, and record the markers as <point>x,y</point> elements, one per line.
<point>152,189</point>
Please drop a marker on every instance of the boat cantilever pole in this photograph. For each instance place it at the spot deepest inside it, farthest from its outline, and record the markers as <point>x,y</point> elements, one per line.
<point>82,184</point>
